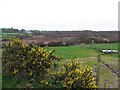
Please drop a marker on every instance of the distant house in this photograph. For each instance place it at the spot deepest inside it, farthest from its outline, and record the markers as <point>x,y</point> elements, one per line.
<point>109,51</point>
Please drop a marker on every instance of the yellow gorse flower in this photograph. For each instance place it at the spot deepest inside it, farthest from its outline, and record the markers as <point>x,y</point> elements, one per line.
<point>30,73</point>
<point>15,71</point>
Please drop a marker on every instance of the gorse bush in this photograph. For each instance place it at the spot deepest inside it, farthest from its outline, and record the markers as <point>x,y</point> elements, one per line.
<point>26,62</point>
<point>73,75</point>
<point>33,63</point>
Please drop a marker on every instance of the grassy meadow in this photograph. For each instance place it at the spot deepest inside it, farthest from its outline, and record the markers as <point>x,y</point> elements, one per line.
<point>86,55</point>
<point>13,35</point>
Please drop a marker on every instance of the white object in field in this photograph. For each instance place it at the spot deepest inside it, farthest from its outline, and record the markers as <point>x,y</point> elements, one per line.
<point>109,51</point>
<point>28,32</point>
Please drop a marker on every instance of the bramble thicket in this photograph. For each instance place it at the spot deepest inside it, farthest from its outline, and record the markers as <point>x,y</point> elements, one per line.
<point>34,64</point>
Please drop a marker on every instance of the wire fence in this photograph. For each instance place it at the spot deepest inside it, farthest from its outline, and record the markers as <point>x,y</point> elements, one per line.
<point>107,76</point>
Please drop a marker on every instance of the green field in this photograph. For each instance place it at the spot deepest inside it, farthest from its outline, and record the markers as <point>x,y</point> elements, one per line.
<point>104,46</point>
<point>9,35</point>
<point>87,55</point>
<point>13,35</point>
<point>71,52</point>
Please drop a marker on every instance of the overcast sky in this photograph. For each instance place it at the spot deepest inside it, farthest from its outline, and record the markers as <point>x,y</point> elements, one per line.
<point>59,14</point>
